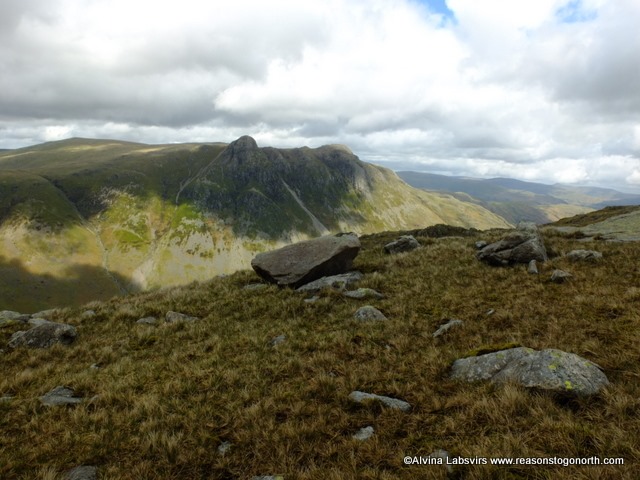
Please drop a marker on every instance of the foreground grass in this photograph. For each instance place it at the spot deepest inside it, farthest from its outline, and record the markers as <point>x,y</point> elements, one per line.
<point>168,396</point>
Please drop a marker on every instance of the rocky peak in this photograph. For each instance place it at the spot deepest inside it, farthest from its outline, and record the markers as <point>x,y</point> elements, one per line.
<point>243,143</point>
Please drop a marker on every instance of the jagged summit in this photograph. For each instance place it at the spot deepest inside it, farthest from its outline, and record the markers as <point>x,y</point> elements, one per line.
<point>245,142</point>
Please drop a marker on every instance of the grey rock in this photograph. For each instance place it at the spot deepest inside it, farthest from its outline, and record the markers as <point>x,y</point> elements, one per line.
<point>88,314</point>
<point>224,447</point>
<point>521,246</point>
<point>560,276</point>
<point>95,366</point>
<point>45,313</point>
<point>44,336</point>
<point>444,455</point>
<point>480,244</point>
<point>172,317</point>
<point>313,299</point>
<point>60,396</point>
<point>363,293</point>
<point>584,255</point>
<point>364,433</point>
<point>255,286</point>
<point>549,369</point>
<point>369,313</point>
<point>298,264</point>
<point>84,472</point>
<point>532,268</point>
<point>277,340</point>
<point>9,316</point>
<point>148,321</point>
<point>405,243</point>
<point>6,398</point>
<point>268,477</point>
<point>38,321</point>
<point>360,397</point>
<point>339,282</point>
<point>490,312</point>
<point>447,326</point>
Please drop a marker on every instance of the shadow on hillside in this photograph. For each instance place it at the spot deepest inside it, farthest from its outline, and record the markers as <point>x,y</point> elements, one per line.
<point>26,292</point>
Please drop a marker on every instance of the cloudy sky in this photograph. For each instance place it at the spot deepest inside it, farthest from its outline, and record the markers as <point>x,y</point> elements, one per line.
<point>540,90</point>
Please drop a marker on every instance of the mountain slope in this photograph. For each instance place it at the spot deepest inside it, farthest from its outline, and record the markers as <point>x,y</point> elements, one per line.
<point>94,218</point>
<point>516,200</point>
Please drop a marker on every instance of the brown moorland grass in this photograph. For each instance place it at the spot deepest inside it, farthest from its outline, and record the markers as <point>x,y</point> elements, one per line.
<point>165,397</point>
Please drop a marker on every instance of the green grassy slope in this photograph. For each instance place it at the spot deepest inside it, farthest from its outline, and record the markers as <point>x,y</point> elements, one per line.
<point>169,395</point>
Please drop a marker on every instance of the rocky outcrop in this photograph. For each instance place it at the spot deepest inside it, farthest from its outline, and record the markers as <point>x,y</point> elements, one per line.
<point>44,335</point>
<point>338,282</point>
<point>549,369</point>
<point>521,246</point>
<point>298,264</point>
<point>405,243</point>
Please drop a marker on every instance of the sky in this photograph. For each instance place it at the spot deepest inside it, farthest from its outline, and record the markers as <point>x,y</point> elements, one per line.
<point>539,90</point>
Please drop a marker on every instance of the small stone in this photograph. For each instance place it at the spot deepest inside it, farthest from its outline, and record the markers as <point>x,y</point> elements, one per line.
<point>224,447</point>
<point>6,398</point>
<point>490,312</point>
<point>313,299</point>
<point>88,314</point>
<point>360,397</point>
<point>560,276</point>
<point>338,282</point>
<point>60,396</point>
<point>147,321</point>
<point>481,244</point>
<point>95,366</point>
<point>362,293</point>
<point>277,340</point>
<point>584,255</point>
<point>447,326</point>
<point>444,455</point>
<point>532,269</point>
<point>172,317</point>
<point>364,433</point>
<point>45,313</point>
<point>369,313</point>
<point>268,477</point>
<point>84,472</point>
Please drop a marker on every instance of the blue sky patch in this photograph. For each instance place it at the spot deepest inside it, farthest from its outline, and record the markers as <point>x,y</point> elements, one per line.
<point>440,7</point>
<point>574,12</point>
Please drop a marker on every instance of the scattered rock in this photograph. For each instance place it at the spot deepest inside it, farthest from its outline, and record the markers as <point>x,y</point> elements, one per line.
<point>360,397</point>
<point>9,316</point>
<point>255,286</point>
<point>45,313</point>
<point>38,321</point>
<point>339,282</point>
<point>560,276</point>
<point>44,336</point>
<point>363,293</point>
<point>521,246</point>
<point>548,369</point>
<point>447,326</point>
<point>313,299</point>
<point>298,264</point>
<point>84,472</point>
<point>88,314</point>
<point>224,447</point>
<point>148,321</point>
<point>532,269</point>
<point>405,243</point>
<point>277,340</point>
<point>95,366</point>
<point>584,255</point>
<point>172,317</point>
<point>490,312</point>
<point>364,433</point>
<point>368,313</point>
<point>481,244</point>
<point>60,396</point>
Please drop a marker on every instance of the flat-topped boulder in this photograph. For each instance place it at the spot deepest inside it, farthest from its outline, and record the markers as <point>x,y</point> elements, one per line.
<point>44,335</point>
<point>303,262</point>
<point>405,243</point>
<point>549,369</point>
<point>521,246</point>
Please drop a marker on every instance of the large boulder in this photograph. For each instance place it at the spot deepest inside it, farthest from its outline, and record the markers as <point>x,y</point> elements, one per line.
<point>304,262</point>
<point>521,246</point>
<point>549,369</point>
<point>44,335</point>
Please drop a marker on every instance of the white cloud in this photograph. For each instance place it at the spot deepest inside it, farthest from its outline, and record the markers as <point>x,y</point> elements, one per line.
<point>544,90</point>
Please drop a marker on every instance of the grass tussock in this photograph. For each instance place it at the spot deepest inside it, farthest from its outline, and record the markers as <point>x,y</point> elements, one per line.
<point>166,396</point>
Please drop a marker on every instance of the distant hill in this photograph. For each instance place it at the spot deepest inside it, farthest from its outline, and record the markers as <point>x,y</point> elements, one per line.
<point>516,200</point>
<point>87,219</point>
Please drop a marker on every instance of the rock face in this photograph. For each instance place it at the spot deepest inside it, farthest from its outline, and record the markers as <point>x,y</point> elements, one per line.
<point>405,243</point>
<point>584,255</point>
<point>549,369</point>
<point>521,246</point>
<point>44,335</point>
<point>304,262</point>
<point>360,397</point>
